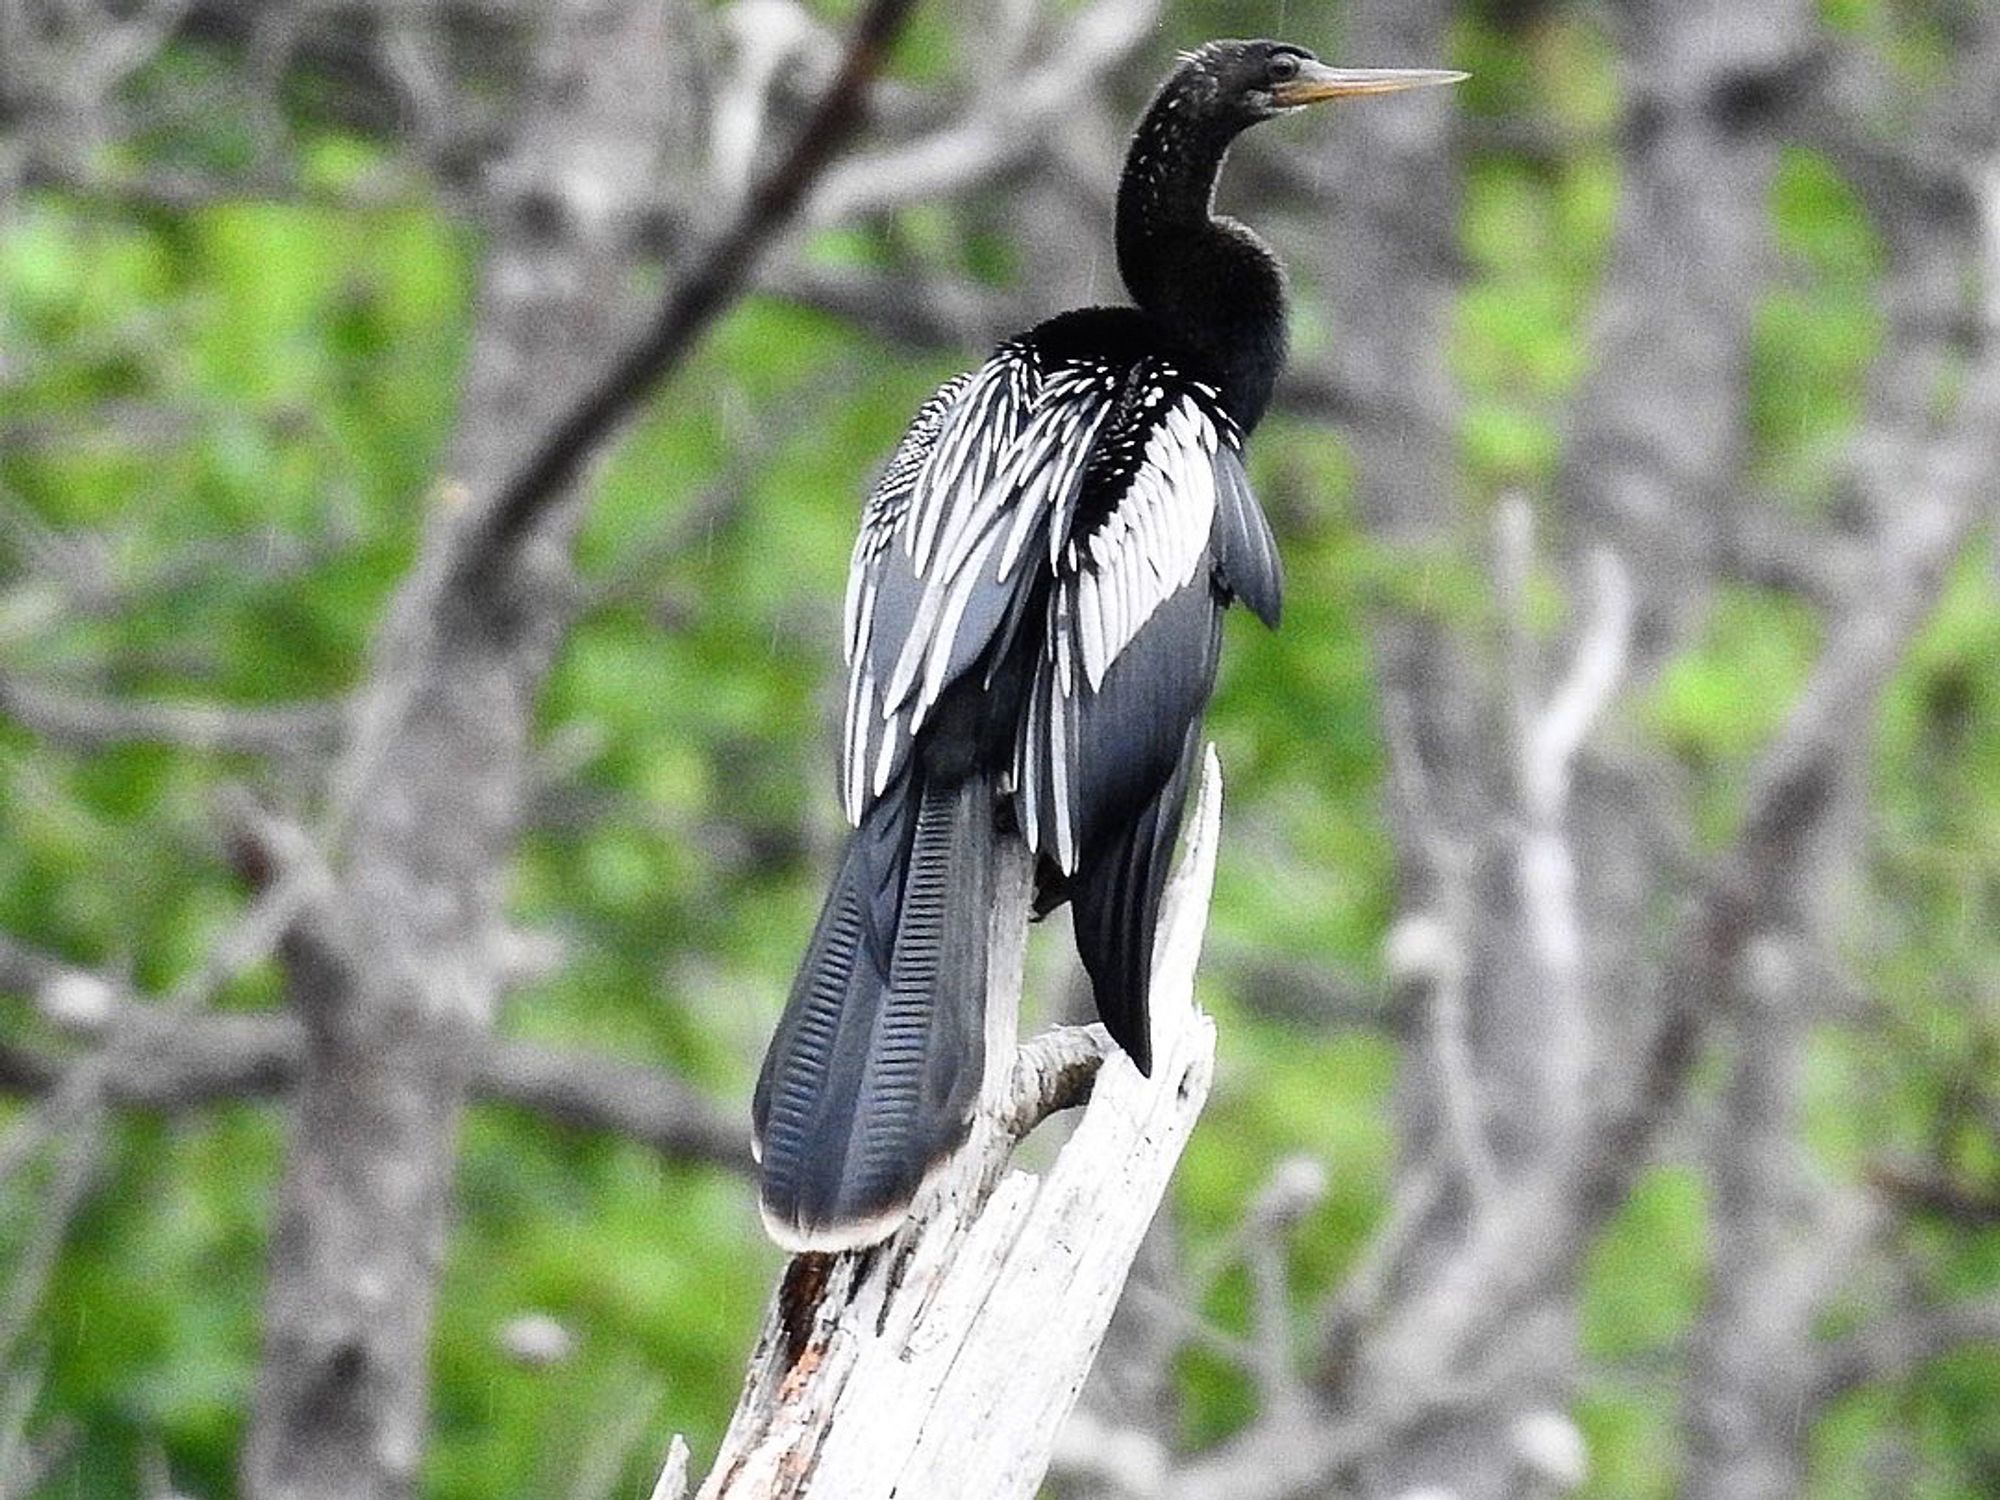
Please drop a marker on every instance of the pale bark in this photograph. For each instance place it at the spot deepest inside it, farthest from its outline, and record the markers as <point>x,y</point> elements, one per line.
<point>396,977</point>
<point>944,1361</point>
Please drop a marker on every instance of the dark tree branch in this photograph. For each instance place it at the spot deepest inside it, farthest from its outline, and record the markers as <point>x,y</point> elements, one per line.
<point>1895,1347</point>
<point>703,294</point>
<point>398,973</point>
<point>1917,1188</point>
<point>905,304</point>
<point>154,1062</point>
<point>589,1092</point>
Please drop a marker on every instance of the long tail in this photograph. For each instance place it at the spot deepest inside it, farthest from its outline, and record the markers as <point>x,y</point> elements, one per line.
<point>873,1072</point>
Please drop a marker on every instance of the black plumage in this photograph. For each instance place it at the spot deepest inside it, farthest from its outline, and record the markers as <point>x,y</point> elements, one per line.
<point>1033,618</point>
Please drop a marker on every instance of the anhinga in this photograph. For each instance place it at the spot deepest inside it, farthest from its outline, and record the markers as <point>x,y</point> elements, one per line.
<point>1033,613</point>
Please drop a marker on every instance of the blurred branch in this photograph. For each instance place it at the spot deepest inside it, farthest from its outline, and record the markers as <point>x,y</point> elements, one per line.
<point>69,996</point>
<point>74,1095</point>
<point>718,507</point>
<point>1893,1348</point>
<point>768,40</point>
<point>620,1439</point>
<point>921,307</point>
<point>1442,1355</point>
<point>1771,1255</point>
<point>1782,1241</point>
<point>1428,949</point>
<point>1359,1296</point>
<point>586,1091</point>
<point>1938,488</point>
<point>71,1109</point>
<point>1295,1187</point>
<point>120,43</point>
<point>397,978</point>
<point>700,296</point>
<point>1300,992</point>
<point>1764,545</point>
<point>88,723</point>
<point>26,1464</point>
<point>1921,1189</point>
<point>407,44</point>
<point>154,188</point>
<point>1549,732</point>
<point>82,52</point>
<point>1774,1263</point>
<point>78,1156</point>
<point>1909,165</point>
<point>150,1060</point>
<point>1006,124</point>
<point>1121,1438</point>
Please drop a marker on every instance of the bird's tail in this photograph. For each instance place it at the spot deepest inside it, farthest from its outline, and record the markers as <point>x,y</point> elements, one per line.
<point>873,1072</point>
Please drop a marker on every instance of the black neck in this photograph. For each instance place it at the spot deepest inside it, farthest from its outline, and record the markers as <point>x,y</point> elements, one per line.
<point>1210,281</point>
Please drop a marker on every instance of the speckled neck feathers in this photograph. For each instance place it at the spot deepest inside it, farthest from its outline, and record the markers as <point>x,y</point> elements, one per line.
<point>1209,280</point>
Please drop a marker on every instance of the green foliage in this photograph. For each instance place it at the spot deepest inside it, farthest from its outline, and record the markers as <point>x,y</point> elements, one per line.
<point>1643,1284</point>
<point>287,374</point>
<point>623,1251</point>
<point>150,1326</point>
<point>1915,40</point>
<point>1718,704</point>
<point>1814,338</point>
<point>1535,233</point>
<point>1642,1287</point>
<point>1923,1084</point>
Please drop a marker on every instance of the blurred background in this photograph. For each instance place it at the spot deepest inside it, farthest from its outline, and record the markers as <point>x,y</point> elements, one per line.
<point>393,906</point>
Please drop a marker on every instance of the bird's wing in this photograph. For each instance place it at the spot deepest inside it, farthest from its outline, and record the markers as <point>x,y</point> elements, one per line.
<point>950,539</point>
<point>1164,529</point>
<point>1246,555</point>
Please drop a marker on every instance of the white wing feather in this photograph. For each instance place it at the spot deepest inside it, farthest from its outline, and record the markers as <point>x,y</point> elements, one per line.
<point>993,463</point>
<point>1003,455</point>
<point>1155,539</point>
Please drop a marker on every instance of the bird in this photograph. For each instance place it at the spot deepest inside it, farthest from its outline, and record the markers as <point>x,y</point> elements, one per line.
<point>1032,625</point>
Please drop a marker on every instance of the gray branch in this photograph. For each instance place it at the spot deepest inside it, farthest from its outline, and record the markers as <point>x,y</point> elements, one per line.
<point>153,1062</point>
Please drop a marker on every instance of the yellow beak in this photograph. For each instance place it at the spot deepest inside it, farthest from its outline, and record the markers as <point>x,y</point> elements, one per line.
<point>1317,82</point>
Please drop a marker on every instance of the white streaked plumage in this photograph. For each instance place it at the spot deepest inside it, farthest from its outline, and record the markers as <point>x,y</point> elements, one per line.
<point>1152,543</point>
<point>888,504</point>
<point>1102,472</point>
<point>1061,756</point>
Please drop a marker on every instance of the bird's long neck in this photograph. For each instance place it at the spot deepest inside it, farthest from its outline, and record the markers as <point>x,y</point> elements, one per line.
<point>1210,281</point>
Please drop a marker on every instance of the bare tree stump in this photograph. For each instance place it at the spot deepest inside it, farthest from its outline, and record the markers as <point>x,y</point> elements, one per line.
<point>945,1361</point>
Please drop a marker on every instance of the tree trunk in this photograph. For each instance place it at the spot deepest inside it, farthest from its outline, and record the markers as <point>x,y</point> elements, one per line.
<point>396,975</point>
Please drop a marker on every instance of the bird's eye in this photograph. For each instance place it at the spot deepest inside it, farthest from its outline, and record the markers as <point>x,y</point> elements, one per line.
<point>1284,67</point>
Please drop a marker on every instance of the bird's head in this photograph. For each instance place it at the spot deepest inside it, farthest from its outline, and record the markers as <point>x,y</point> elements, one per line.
<point>1235,84</point>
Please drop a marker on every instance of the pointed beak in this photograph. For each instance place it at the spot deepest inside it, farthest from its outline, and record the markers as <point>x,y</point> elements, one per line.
<point>1317,82</point>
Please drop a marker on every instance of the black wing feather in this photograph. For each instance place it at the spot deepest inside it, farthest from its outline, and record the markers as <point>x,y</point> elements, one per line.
<point>1129,652</point>
<point>1117,908</point>
<point>1246,556</point>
